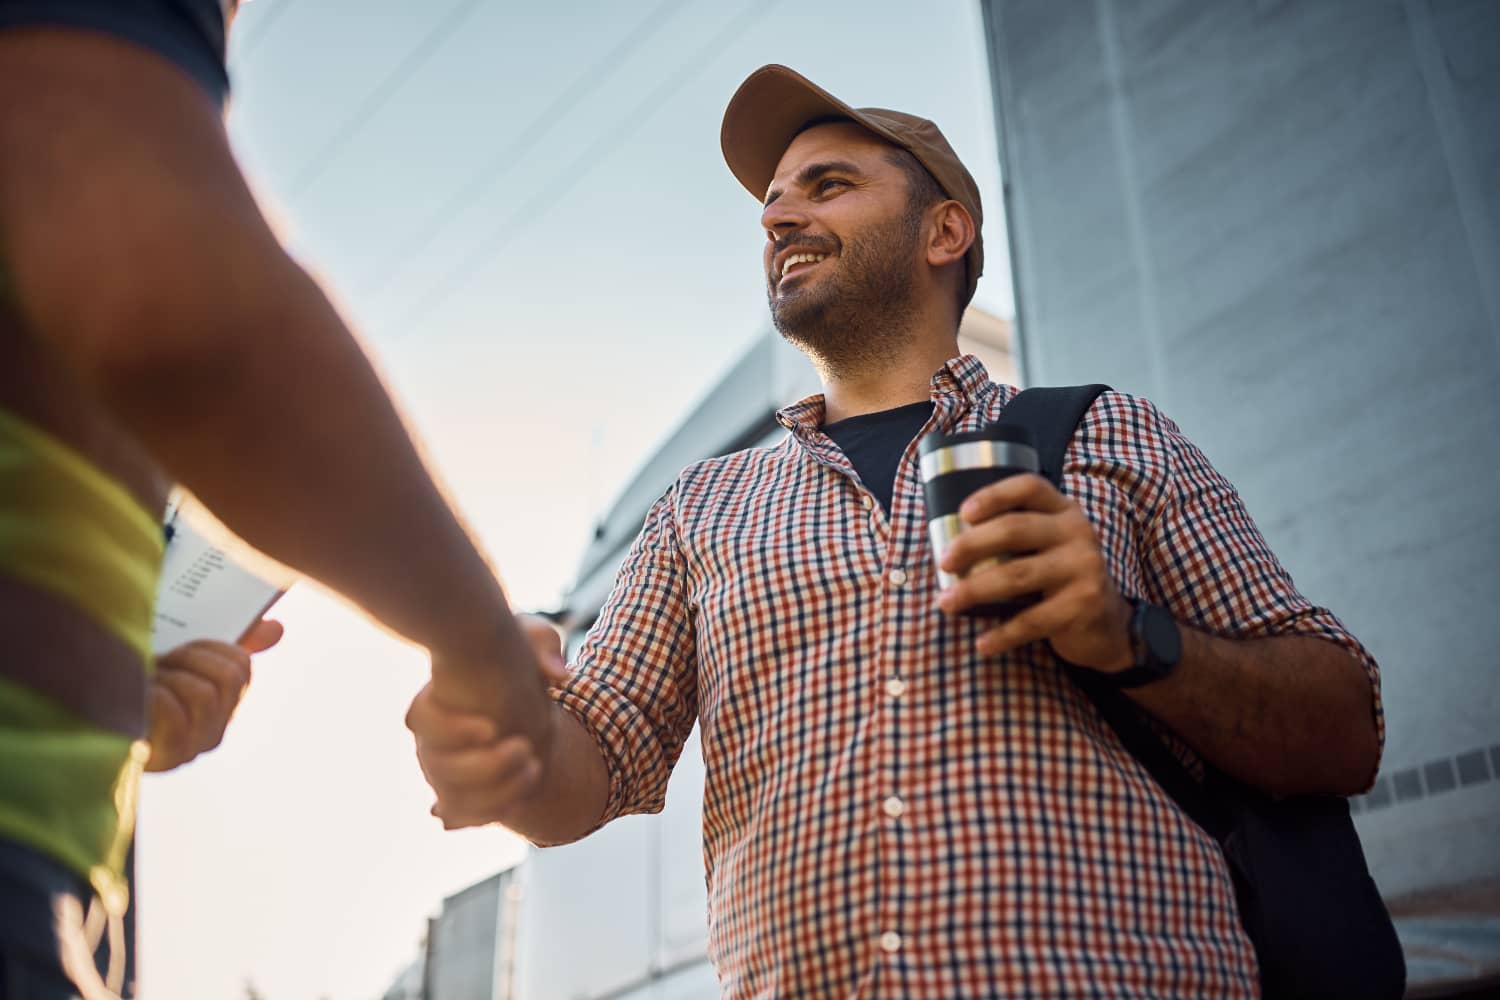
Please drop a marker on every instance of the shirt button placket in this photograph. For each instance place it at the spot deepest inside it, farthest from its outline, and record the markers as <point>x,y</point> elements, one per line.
<point>892,806</point>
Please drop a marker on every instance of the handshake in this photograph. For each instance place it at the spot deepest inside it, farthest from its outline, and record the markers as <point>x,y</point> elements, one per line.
<point>479,772</point>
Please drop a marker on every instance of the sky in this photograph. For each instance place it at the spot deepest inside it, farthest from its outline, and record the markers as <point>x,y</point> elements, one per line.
<point>523,211</point>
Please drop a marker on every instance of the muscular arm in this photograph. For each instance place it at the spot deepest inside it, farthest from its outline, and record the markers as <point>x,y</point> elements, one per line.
<point>1288,714</point>
<point>139,258</point>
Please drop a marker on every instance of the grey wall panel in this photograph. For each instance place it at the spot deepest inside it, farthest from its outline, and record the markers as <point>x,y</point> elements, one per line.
<point>463,942</point>
<point>1279,220</point>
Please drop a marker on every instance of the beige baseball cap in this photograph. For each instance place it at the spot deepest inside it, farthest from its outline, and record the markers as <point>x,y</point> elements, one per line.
<point>774,102</point>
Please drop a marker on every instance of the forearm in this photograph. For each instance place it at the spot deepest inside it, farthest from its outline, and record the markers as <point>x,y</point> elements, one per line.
<point>572,791</point>
<point>1287,714</point>
<point>284,431</point>
<point>139,258</point>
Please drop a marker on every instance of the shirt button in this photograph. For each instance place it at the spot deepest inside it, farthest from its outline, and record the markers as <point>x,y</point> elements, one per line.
<point>893,807</point>
<point>890,942</point>
<point>895,687</point>
<point>866,501</point>
<point>897,577</point>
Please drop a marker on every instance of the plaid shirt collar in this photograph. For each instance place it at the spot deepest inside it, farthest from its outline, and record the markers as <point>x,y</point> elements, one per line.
<point>959,387</point>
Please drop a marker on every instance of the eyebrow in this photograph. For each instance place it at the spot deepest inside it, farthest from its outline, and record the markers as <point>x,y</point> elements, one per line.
<point>812,172</point>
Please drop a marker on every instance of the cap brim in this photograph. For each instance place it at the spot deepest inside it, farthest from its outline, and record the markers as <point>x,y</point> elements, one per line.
<point>766,113</point>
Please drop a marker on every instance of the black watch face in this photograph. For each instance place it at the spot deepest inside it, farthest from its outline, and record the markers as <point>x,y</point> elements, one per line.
<point>1163,640</point>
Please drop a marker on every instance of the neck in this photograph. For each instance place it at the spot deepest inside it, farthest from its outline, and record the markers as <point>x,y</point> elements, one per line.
<point>901,377</point>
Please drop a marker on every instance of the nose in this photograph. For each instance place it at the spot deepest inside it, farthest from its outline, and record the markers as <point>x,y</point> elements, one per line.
<point>784,215</point>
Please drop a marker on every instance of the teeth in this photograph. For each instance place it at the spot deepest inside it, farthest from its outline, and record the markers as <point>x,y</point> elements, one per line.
<point>802,258</point>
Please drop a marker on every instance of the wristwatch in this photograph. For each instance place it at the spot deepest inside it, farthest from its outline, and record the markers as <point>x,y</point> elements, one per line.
<point>1156,642</point>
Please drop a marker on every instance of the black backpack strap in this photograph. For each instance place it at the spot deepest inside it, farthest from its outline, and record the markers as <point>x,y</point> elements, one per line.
<point>1053,414</point>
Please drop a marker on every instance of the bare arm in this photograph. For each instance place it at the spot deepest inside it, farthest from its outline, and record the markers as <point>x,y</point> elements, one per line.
<point>140,259</point>
<point>1288,714</point>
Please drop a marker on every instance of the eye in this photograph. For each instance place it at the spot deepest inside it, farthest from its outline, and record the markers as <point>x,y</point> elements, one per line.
<point>830,184</point>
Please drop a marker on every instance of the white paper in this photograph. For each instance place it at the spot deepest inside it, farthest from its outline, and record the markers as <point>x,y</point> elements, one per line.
<point>203,593</point>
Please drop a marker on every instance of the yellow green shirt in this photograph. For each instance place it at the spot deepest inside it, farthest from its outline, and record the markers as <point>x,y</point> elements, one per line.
<point>68,788</point>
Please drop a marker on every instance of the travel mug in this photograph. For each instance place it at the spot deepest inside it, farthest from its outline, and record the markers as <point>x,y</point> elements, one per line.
<point>955,465</point>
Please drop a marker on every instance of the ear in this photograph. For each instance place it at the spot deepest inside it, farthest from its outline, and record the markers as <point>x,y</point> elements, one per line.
<point>952,234</point>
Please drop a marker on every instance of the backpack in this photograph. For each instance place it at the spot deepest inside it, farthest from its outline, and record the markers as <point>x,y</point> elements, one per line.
<point>1305,895</point>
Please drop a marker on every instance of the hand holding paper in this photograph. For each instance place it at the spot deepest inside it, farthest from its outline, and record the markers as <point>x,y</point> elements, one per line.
<point>205,602</point>
<point>195,691</point>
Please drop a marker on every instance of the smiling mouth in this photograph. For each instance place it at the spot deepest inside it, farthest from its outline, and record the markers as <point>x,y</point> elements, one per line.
<point>797,263</point>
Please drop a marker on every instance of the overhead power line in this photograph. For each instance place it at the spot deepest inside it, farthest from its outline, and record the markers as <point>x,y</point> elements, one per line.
<point>495,168</point>
<point>530,209</point>
<point>383,92</point>
<point>262,26</point>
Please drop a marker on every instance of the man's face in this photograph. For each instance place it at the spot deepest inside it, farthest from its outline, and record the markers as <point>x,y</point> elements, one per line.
<point>842,246</point>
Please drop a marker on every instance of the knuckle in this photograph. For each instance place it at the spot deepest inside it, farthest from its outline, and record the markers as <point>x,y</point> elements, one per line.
<point>416,712</point>
<point>1091,590</point>
<point>199,697</point>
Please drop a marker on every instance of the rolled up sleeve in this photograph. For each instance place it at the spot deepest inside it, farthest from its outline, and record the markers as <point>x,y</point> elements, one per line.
<point>634,685</point>
<point>1213,567</point>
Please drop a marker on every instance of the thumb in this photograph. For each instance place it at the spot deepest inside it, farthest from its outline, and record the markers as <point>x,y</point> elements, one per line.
<point>261,636</point>
<point>554,668</point>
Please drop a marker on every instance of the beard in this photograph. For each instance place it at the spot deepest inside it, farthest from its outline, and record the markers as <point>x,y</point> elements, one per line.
<point>853,320</point>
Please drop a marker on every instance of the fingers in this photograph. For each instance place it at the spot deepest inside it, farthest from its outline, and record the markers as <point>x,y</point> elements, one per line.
<point>1023,538</point>
<point>225,666</point>
<point>1020,552</point>
<point>1015,533</point>
<point>194,693</point>
<point>439,728</point>
<point>546,642</point>
<point>261,636</point>
<point>477,776</point>
<point>1003,581</point>
<point>1040,621</point>
<point>170,723</point>
<point>480,786</point>
<point>1027,491</point>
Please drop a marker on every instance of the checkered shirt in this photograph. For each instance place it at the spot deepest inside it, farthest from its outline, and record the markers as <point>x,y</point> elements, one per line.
<point>886,813</point>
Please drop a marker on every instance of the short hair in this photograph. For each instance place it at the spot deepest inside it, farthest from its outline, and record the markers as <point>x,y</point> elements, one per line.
<point>922,189</point>
<point>922,192</point>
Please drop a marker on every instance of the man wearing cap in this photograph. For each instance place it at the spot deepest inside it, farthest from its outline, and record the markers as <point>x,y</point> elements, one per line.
<point>901,801</point>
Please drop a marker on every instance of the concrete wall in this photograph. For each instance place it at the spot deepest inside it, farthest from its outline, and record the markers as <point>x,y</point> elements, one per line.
<point>1281,222</point>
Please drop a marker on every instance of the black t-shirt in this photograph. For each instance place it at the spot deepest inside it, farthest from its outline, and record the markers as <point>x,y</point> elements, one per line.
<point>875,442</point>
